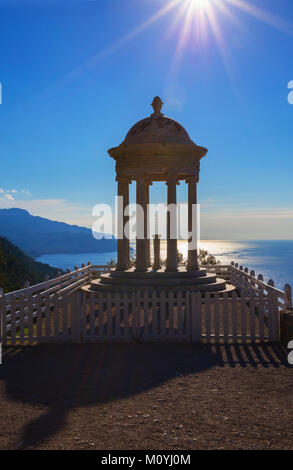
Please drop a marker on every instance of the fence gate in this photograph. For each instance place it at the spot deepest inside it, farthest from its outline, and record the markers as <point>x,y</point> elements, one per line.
<point>187,317</point>
<point>141,316</point>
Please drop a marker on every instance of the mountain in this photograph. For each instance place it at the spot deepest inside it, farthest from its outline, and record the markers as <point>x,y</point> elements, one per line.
<point>38,236</point>
<point>16,268</point>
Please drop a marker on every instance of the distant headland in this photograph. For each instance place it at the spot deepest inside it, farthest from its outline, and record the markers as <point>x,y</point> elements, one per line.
<point>37,236</point>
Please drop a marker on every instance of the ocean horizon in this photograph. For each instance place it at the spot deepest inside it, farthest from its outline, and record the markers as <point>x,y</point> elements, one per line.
<point>272,258</point>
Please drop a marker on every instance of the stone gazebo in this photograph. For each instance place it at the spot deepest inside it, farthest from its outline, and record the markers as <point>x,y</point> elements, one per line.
<point>157,148</point>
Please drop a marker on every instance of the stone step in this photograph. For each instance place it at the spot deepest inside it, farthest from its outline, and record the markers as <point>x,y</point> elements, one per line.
<point>155,282</point>
<point>161,273</point>
<point>218,286</point>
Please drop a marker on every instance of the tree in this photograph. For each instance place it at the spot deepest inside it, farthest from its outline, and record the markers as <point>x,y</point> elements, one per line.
<point>205,258</point>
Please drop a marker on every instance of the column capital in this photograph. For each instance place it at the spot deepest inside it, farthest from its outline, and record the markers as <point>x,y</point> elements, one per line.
<point>171,178</point>
<point>123,179</point>
<point>147,180</point>
<point>191,179</point>
<point>197,169</point>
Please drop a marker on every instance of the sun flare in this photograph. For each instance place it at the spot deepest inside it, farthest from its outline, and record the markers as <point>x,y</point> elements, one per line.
<point>192,22</point>
<point>195,20</point>
<point>198,4</point>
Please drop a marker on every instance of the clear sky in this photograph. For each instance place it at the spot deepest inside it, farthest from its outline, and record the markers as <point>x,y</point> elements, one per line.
<point>76,74</point>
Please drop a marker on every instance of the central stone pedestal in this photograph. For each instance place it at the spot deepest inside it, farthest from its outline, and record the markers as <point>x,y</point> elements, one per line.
<point>182,280</point>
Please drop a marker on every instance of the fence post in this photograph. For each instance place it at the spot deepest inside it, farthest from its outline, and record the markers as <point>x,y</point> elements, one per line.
<point>232,272</point>
<point>90,271</point>
<point>288,292</point>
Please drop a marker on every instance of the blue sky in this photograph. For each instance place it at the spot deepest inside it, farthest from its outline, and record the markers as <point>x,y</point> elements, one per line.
<point>77,74</point>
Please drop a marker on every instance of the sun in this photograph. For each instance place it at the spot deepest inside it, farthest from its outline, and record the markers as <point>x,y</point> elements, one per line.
<point>198,4</point>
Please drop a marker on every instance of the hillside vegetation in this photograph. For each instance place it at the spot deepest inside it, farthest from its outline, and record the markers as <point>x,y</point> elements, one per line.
<point>16,268</point>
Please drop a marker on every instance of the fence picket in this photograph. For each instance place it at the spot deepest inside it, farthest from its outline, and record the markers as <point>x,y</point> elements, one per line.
<point>56,317</point>
<point>261,306</point>
<point>133,315</point>
<point>76,317</point>
<point>117,316</point>
<point>154,315</point>
<point>30,319</point>
<point>276,319</point>
<point>187,315</point>
<point>207,310</point>
<point>39,317</point>
<point>146,313</point>
<point>109,317</point>
<point>234,317</point>
<point>65,318</point>
<point>101,314</point>
<point>252,316</point>
<point>270,318</point>
<point>138,314</point>
<point>163,314</point>
<point>171,313</point>
<point>196,316</point>
<point>92,317</point>
<point>225,317</point>
<point>21,318</point>
<point>217,317</point>
<point>47,317</point>
<point>179,314</point>
<point>12,320</point>
<point>243,316</point>
<point>126,315</point>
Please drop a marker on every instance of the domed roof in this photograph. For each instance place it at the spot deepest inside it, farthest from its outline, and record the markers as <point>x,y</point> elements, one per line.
<point>157,129</point>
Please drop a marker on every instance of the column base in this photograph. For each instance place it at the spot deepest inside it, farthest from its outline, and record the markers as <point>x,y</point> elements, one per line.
<point>192,267</point>
<point>171,270</point>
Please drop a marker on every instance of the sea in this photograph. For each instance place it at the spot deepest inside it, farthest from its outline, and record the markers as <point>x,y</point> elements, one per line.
<point>271,258</point>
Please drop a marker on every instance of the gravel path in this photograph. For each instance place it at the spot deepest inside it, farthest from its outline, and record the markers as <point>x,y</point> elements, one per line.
<point>146,396</point>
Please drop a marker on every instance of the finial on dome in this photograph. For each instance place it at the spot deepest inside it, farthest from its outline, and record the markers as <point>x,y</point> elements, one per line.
<point>157,106</point>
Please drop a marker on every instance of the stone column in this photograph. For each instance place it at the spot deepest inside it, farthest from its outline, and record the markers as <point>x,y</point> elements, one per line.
<point>141,252</point>
<point>157,255</point>
<point>171,224</point>
<point>147,224</point>
<point>192,263</point>
<point>123,246</point>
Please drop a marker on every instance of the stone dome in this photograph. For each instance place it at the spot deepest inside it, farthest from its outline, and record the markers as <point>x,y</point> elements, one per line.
<point>157,129</point>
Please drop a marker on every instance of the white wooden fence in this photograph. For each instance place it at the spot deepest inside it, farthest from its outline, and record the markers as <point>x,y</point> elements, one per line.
<point>57,311</point>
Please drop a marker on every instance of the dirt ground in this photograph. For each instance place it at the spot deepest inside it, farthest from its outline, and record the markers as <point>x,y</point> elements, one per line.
<point>146,396</point>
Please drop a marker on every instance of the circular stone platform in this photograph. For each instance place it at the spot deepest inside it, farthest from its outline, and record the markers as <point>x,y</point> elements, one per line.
<point>182,280</point>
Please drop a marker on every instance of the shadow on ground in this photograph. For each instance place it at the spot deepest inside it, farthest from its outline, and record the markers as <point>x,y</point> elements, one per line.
<point>63,377</point>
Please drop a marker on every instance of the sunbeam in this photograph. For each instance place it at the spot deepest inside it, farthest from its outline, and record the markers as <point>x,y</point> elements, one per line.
<point>195,19</point>
<point>191,22</point>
